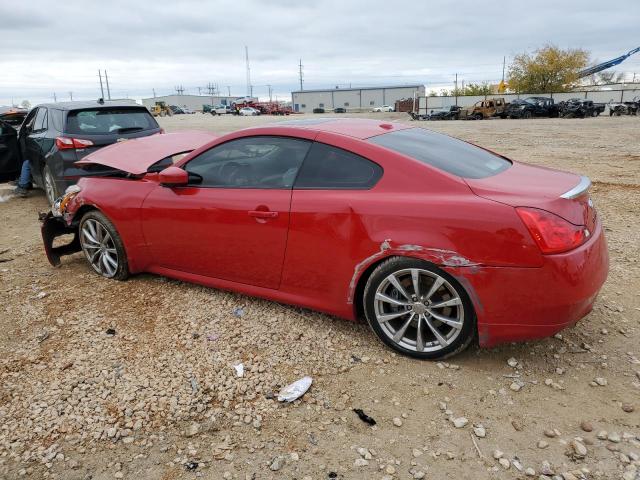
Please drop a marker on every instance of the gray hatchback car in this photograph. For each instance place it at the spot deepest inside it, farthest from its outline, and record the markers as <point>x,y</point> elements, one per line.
<point>54,136</point>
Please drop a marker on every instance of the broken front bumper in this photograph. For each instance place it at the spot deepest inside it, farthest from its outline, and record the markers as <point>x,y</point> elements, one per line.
<point>53,227</point>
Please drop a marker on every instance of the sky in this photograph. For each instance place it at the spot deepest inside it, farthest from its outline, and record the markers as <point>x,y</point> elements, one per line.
<point>56,47</point>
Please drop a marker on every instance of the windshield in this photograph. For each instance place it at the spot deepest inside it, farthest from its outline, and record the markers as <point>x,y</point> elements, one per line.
<point>105,121</point>
<point>443,152</point>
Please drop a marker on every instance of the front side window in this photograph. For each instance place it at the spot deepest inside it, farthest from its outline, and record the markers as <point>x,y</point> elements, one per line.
<point>443,152</point>
<point>40,123</point>
<point>251,162</point>
<point>332,168</point>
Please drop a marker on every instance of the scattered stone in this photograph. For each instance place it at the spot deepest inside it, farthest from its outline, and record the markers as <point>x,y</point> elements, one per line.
<point>517,426</point>
<point>504,463</point>
<point>614,437</point>
<point>627,407</point>
<point>550,433</point>
<point>577,450</point>
<point>601,381</point>
<point>530,472</point>
<point>192,430</point>
<point>498,454</point>
<point>512,362</point>
<point>397,421</point>
<point>278,462</point>
<point>480,431</point>
<point>542,444</point>
<point>586,426</point>
<point>546,468</point>
<point>417,453</point>
<point>360,462</point>
<point>516,386</point>
<point>459,422</point>
<point>602,435</point>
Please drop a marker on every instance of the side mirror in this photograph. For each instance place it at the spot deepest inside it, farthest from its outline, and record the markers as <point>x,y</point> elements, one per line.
<point>173,177</point>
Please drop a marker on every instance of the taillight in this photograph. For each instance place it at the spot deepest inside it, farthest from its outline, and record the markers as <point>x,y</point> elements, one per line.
<point>66,143</point>
<point>552,234</point>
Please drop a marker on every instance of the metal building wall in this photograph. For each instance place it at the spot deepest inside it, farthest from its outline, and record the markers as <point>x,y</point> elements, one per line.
<point>353,99</point>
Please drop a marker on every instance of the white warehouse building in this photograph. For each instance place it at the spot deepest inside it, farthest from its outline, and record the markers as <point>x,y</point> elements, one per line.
<point>353,99</point>
<point>193,102</point>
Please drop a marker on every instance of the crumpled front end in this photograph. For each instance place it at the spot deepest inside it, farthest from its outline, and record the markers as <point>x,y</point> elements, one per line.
<point>58,222</point>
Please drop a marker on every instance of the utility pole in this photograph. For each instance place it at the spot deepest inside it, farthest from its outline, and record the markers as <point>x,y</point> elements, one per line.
<point>300,73</point>
<point>229,90</point>
<point>101,89</point>
<point>71,96</point>
<point>107,80</point>
<point>246,55</point>
<point>199,93</point>
<point>455,90</point>
<point>154,92</point>
<point>504,62</point>
<point>270,91</point>
<point>54,97</point>
<point>179,89</point>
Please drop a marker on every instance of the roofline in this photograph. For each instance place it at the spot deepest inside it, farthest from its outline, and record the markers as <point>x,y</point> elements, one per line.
<point>356,89</point>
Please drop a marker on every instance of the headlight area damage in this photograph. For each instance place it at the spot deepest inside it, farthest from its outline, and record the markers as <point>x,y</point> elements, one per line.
<point>56,223</point>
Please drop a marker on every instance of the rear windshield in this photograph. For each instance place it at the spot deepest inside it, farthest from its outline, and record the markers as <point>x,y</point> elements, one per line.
<point>443,152</point>
<point>105,121</point>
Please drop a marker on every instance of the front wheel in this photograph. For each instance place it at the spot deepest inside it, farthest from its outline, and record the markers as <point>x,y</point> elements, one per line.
<point>418,309</point>
<point>102,246</point>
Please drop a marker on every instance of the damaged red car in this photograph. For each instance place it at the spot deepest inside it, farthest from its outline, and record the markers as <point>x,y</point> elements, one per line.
<point>435,241</point>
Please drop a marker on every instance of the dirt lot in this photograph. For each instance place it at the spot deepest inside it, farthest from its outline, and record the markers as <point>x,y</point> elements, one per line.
<point>159,399</point>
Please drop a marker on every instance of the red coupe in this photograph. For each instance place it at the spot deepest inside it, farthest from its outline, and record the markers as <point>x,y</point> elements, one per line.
<point>433,240</point>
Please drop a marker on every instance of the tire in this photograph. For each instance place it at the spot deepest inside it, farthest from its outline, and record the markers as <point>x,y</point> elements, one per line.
<point>49,185</point>
<point>102,246</point>
<point>526,115</point>
<point>400,329</point>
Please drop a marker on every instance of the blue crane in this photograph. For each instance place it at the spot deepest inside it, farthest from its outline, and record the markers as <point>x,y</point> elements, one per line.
<point>608,64</point>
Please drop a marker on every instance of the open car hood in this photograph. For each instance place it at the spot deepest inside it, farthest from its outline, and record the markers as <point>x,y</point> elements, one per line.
<point>137,155</point>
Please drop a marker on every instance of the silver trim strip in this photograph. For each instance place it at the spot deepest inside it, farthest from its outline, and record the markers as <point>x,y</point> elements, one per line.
<point>582,186</point>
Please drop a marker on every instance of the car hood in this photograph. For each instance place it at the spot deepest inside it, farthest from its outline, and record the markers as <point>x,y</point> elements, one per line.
<point>137,155</point>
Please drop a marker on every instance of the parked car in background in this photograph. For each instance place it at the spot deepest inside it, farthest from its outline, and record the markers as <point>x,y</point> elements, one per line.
<point>383,108</point>
<point>176,110</point>
<point>493,107</point>
<point>187,111</point>
<point>624,108</point>
<point>435,241</point>
<point>451,113</point>
<point>580,108</point>
<point>339,110</point>
<point>318,110</point>
<point>248,111</point>
<point>54,136</point>
<point>220,110</point>
<point>13,116</point>
<point>532,107</point>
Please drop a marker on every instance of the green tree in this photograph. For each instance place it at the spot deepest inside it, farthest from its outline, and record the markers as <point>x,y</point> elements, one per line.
<point>606,77</point>
<point>25,104</point>
<point>549,69</point>
<point>477,89</point>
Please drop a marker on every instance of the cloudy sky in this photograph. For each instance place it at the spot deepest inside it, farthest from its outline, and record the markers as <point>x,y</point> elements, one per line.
<point>53,46</point>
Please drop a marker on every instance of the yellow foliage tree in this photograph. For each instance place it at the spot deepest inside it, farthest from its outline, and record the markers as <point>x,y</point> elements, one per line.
<point>549,69</point>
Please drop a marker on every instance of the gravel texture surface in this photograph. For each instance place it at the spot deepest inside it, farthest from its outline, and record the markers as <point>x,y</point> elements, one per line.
<point>103,379</point>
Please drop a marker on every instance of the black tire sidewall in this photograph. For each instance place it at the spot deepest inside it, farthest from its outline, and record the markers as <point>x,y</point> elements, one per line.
<point>46,172</point>
<point>122,272</point>
<point>394,264</point>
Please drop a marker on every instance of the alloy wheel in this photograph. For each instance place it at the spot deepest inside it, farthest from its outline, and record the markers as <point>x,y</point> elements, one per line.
<point>419,310</point>
<point>99,248</point>
<point>49,187</point>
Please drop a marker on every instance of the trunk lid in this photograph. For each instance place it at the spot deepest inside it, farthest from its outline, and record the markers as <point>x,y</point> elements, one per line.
<point>135,156</point>
<point>521,185</point>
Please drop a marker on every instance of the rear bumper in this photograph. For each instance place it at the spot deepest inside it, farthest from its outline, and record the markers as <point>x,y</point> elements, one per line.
<point>516,304</point>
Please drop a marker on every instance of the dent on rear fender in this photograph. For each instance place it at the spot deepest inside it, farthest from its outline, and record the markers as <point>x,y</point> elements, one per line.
<point>438,256</point>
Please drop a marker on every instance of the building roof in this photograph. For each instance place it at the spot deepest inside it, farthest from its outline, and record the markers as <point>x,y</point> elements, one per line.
<point>89,104</point>
<point>388,87</point>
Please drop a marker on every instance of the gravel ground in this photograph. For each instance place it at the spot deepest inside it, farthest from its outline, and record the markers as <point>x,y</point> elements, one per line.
<point>103,379</point>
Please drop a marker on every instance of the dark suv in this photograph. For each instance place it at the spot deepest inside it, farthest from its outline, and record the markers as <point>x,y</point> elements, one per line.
<point>54,136</point>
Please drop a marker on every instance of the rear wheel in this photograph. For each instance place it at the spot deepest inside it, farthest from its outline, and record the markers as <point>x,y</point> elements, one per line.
<point>418,309</point>
<point>526,115</point>
<point>102,246</point>
<point>50,188</point>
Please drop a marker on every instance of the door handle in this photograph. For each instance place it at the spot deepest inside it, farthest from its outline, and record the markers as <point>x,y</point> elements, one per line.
<point>262,214</point>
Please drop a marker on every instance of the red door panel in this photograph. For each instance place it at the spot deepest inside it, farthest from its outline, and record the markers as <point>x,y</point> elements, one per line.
<point>233,234</point>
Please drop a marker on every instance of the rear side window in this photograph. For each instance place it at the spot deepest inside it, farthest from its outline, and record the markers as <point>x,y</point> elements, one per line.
<point>328,167</point>
<point>443,152</point>
<point>105,121</point>
<point>55,119</point>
